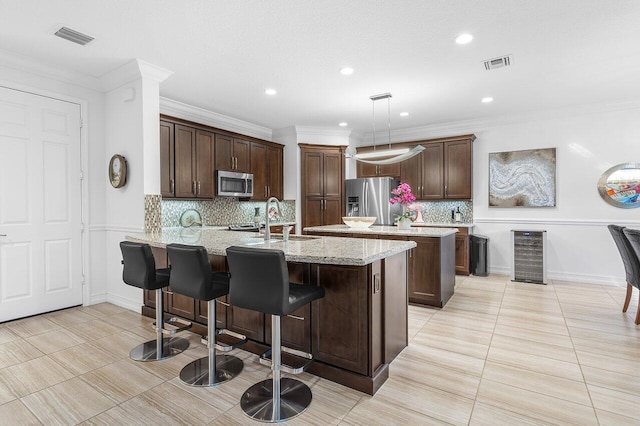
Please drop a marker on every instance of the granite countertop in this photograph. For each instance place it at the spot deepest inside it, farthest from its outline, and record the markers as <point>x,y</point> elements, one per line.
<point>300,248</point>
<point>385,230</point>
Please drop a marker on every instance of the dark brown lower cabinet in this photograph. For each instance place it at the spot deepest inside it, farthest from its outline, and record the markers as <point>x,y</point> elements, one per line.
<point>354,332</point>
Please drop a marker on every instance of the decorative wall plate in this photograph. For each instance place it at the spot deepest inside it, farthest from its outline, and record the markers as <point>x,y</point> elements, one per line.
<point>620,185</point>
<point>190,218</point>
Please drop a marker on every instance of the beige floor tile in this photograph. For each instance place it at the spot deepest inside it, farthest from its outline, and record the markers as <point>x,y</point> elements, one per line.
<point>451,344</point>
<point>614,419</point>
<point>54,341</point>
<point>618,351</point>
<point>453,360</point>
<point>170,367</point>
<point>463,319</point>
<point>516,344</point>
<point>625,326</point>
<point>119,344</point>
<point>144,407</point>
<point>535,405</point>
<point>528,322</point>
<point>610,362</point>
<point>611,380</point>
<point>534,336</point>
<point>411,368</point>
<point>129,319</point>
<point>31,326</point>
<point>16,413</point>
<point>465,334</point>
<point>117,416</point>
<point>570,390</point>
<point>332,400</point>
<point>95,329</point>
<point>38,374</point>
<point>615,401</point>
<point>70,317</point>
<point>631,341</point>
<point>121,380</point>
<point>83,358</point>
<point>103,309</point>
<point>17,351</point>
<point>10,387</point>
<point>181,404</point>
<point>370,412</point>
<point>467,304</point>
<point>540,364</point>
<point>6,335</point>
<point>428,401</point>
<point>489,415</point>
<point>68,402</point>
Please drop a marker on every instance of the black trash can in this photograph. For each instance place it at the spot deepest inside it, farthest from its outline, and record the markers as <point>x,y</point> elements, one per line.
<point>479,255</point>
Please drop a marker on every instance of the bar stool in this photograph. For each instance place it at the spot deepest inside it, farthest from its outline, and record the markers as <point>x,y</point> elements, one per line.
<point>631,261</point>
<point>140,271</point>
<point>191,276</point>
<point>260,282</point>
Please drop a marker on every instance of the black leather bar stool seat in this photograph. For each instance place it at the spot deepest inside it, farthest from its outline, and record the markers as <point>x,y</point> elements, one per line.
<point>191,276</point>
<point>260,282</point>
<point>140,271</point>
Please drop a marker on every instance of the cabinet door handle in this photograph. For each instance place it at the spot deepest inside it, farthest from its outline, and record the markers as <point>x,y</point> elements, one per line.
<point>445,190</point>
<point>3,235</point>
<point>410,253</point>
<point>198,187</point>
<point>266,193</point>
<point>268,190</point>
<point>194,188</point>
<point>173,186</point>
<point>235,163</point>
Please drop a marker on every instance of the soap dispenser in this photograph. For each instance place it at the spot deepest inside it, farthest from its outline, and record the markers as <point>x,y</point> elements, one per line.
<point>458,215</point>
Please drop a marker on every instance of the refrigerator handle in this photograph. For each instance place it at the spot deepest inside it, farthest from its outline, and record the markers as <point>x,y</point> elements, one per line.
<point>365,202</point>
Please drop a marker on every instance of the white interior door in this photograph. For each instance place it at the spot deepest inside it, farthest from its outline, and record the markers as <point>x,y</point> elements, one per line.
<point>40,204</point>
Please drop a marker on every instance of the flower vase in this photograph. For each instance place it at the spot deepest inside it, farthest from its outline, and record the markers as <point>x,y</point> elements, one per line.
<point>404,224</point>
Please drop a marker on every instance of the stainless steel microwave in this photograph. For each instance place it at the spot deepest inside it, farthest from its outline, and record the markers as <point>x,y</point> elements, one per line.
<point>232,184</point>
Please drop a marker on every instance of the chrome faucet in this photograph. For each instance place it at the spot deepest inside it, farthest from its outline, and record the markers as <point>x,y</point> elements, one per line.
<point>267,229</point>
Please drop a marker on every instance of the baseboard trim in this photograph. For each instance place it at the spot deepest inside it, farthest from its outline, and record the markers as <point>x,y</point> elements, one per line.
<point>567,276</point>
<point>94,299</point>
<point>566,222</point>
<point>125,302</point>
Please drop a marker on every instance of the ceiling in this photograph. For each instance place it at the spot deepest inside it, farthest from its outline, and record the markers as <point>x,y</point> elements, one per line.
<point>225,53</point>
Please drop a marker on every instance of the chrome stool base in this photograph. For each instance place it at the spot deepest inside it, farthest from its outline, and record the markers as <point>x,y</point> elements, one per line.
<point>148,351</point>
<point>196,373</point>
<point>257,401</point>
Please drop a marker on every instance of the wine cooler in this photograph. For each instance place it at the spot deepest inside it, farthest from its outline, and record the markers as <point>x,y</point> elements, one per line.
<point>529,262</point>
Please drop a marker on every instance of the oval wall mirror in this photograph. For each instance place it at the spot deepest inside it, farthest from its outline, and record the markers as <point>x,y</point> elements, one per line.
<point>620,185</point>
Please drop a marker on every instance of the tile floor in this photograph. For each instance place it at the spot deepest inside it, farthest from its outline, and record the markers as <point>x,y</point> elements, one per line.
<point>499,353</point>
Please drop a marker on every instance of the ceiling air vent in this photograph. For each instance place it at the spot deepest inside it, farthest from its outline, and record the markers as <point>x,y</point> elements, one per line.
<point>502,61</point>
<point>74,36</point>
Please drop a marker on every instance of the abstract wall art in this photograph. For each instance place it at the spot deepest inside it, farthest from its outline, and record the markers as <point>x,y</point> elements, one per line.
<point>522,178</point>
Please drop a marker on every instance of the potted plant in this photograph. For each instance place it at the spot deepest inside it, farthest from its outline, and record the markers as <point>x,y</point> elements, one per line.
<point>402,195</point>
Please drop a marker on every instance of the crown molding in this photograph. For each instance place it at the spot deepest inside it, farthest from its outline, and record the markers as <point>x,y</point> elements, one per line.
<point>213,119</point>
<point>40,69</point>
<point>321,131</point>
<point>132,71</point>
<point>476,125</point>
<point>153,72</point>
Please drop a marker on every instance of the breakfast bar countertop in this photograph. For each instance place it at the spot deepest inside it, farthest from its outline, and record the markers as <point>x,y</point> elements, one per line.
<point>383,230</point>
<point>299,248</point>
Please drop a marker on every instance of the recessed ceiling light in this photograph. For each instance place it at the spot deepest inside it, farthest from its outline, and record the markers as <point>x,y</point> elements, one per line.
<point>404,114</point>
<point>343,124</point>
<point>346,71</point>
<point>487,100</point>
<point>270,91</point>
<point>464,38</point>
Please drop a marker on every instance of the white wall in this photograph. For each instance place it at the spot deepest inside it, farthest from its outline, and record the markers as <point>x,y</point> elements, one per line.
<point>589,140</point>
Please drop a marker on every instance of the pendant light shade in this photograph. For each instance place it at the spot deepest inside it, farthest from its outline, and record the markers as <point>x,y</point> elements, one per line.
<point>391,156</point>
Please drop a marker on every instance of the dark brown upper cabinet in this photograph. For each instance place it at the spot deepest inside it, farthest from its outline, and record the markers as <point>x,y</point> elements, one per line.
<point>366,170</point>
<point>232,154</point>
<point>322,177</point>
<point>186,161</point>
<point>266,167</point>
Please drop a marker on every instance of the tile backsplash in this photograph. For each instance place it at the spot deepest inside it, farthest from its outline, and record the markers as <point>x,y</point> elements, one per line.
<point>440,211</point>
<point>221,210</point>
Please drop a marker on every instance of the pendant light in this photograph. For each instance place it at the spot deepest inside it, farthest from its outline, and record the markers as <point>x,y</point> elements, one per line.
<point>394,155</point>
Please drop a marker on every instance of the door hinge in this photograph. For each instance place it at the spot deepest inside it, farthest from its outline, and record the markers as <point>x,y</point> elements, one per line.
<point>83,280</point>
<point>82,228</point>
<point>81,175</point>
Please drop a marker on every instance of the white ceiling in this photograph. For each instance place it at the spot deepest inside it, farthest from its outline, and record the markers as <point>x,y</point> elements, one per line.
<point>225,53</point>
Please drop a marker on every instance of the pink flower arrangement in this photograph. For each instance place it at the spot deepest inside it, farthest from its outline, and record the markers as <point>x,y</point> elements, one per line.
<point>402,195</point>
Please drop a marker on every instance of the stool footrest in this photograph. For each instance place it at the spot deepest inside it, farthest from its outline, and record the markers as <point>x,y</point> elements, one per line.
<point>296,361</point>
<point>173,325</point>
<point>225,347</point>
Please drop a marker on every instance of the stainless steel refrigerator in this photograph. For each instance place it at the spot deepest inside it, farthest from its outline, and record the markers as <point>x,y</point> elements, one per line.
<point>370,197</point>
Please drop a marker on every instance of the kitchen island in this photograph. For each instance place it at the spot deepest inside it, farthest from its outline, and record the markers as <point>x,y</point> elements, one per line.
<point>431,263</point>
<point>354,332</point>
